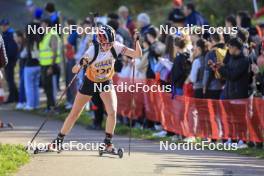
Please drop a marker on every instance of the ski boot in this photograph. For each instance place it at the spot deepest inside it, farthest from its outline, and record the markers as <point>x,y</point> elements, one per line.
<point>54,146</point>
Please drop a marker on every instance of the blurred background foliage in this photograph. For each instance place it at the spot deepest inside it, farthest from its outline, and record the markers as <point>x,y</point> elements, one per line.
<point>214,10</point>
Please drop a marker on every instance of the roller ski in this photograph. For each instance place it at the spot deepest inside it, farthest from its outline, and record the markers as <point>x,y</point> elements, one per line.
<point>6,125</point>
<point>109,148</point>
<point>54,146</point>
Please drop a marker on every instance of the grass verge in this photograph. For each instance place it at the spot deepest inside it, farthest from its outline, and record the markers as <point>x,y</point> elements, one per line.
<point>11,158</point>
<point>258,153</point>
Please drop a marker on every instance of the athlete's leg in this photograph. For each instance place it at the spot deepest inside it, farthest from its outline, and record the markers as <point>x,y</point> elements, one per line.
<point>76,110</point>
<point>79,102</point>
<point>110,102</point>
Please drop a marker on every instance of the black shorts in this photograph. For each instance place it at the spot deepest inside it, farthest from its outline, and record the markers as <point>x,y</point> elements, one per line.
<point>91,88</point>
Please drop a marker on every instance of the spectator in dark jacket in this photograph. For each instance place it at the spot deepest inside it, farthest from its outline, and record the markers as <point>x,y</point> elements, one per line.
<point>192,16</point>
<point>235,72</point>
<point>230,22</point>
<point>21,43</point>
<point>180,66</point>
<point>236,75</point>
<point>176,12</point>
<point>120,29</point>
<point>12,53</point>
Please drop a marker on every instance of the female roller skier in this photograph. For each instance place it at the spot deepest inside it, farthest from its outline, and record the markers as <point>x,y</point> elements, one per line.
<point>99,62</point>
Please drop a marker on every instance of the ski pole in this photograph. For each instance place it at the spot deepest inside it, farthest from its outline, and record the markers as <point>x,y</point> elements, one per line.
<point>56,105</point>
<point>133,109</point>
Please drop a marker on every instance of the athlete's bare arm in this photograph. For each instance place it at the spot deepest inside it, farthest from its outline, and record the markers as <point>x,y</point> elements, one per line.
<point>134,53</point>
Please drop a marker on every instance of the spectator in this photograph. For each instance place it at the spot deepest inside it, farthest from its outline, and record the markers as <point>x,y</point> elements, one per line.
<point>54,16</point>
<point>50,57</point>
<point>176,11</point>
<point>20,40</point>
<point>212,84</point>
<point>144,24</point>
<point>178,22</point>
<point>235,72</point>
<point>121,30</point>
<point>143,66</point>
<point>249,52</point>
<point>155,50</point>
<point>71,48</point>
<point>196,35</point>
<point>12,53</point>
<point>169,50</point>
<point>192,16</point>
<point>258,69</point>
<point>181,66</point>
<point>243,35</point>
<point>198,68</point>
<point>32,67</point>
<point>164,65</point>
<point>230,21</point>
<point>126,19</point>
<point>177,18</point>
<point>244,21</point>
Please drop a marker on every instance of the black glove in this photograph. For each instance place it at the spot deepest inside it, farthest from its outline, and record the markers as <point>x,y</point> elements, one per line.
<point>83,62</point>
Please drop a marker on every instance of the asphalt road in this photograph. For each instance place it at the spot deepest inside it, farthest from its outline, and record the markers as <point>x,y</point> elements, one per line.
<point>146,158</point>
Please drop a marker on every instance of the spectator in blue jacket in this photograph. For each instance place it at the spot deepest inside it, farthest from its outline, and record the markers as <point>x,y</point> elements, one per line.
<point>192,16</point>
<point>53,14</point>
<point>12,53</point>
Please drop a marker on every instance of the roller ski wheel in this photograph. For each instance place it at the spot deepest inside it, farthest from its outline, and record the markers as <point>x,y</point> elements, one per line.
<point>101,152</point>
<point>112,151</point>
<point>120,152</point>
